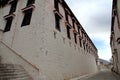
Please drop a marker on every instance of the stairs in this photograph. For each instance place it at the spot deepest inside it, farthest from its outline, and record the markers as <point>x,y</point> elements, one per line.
<point>13,72</point>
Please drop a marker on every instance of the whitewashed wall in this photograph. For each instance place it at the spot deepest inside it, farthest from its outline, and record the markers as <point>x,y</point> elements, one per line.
<point>57,58</point>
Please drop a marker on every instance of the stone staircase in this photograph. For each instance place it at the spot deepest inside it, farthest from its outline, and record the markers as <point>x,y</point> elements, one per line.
<point>13,72</point>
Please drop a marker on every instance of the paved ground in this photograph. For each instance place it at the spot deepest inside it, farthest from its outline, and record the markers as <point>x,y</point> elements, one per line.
<point>102,75</point>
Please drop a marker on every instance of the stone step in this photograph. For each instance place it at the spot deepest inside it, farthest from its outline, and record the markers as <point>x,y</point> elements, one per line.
<point>13,72</point>
<point>9,66</point>
<point>14,76</point>
<point>8,78</point>
<point>10,70</point>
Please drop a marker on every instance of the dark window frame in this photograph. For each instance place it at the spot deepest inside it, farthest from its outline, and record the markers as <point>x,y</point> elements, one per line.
<point>75,38</point>
<point>68,32</point>
<point>78,29</point>
<point>80,41</point>
<point>13,6</point>
<point>66,16</point>
<point>73,23</point>
<point>84,45</point>
<point>8,24</point>
<point>27,17</point>
<point>57,22</point>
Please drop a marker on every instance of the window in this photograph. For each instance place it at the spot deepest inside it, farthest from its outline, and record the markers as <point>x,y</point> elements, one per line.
<point>8,24</point>
<point>73,22</point>
<point>82,33</point>
<point>57,22</point>
<point>80,40</point>
<point>66,16</point>
<point>87,47</point>
<point>27,17</point>
<point>13,6</point>
<point>68,32</point>
<point>84,44</point>
<point>75,37</point>
<point>78,29</point>
<point>56,5</point>
<point>30,2</point>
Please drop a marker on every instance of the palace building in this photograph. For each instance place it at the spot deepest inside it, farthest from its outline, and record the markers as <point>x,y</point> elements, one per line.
<point>115,35</point>
<point>43,40</point>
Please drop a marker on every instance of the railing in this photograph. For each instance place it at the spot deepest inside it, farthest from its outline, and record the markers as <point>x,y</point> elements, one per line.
<point>20,56</point>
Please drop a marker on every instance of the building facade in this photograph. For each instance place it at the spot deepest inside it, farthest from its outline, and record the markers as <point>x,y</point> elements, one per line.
<point>104,65</point>
<point>45,39</point>
<point>115,35</point>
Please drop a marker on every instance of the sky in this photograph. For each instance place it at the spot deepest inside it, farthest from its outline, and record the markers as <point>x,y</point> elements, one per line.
<point>95,17</point>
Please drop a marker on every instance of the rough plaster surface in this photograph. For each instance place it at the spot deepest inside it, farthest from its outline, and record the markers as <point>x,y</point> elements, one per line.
<point>56,58</point>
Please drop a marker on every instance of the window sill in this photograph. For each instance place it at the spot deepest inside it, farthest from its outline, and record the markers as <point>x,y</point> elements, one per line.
<point>68,24</point>
<point>74,31</point>
<point>57,13</point>
<point>28,7</point>
<point>74,19</point>
<point>9,15</point>
<point>67,11</point>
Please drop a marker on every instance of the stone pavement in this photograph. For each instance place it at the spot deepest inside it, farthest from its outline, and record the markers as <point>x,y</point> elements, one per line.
<point>102,75</point>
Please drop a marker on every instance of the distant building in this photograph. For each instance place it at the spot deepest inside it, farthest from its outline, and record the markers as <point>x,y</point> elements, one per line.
<point>115,35</point>
<point>43,39</point>
<point>104,65</point>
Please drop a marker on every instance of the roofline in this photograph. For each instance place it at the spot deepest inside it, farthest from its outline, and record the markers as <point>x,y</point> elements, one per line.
<point>65,4</point>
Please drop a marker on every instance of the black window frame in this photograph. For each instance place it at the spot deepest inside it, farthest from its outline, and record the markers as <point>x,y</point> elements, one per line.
<point>13,6</point>
<point>80,41</point>
<point>78,29</point>
<point>57,22</point>
<point>66,16</point>
<point>27,17</point>
<point>68,32</point>
<point>75,38</point>
<point>84,45</point>
<point>73,23</point>
<point>8,24</point>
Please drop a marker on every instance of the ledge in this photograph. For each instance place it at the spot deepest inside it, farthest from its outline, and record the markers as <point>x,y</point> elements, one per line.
<point>9,15</point>
<point>58,13</point>
<point>28,7</point>
<point>67,11</point>
<point>68,24</point>
<point>74,31</point>
<point>74,19</point>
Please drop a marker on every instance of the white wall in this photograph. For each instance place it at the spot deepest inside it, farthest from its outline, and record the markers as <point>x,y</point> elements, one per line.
<point>57,58</point>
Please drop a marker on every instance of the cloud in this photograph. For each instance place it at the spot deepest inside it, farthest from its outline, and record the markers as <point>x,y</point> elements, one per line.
<point>95,17</point>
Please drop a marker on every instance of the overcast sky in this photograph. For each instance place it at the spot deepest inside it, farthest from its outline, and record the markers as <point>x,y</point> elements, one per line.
<point>95,17</point>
